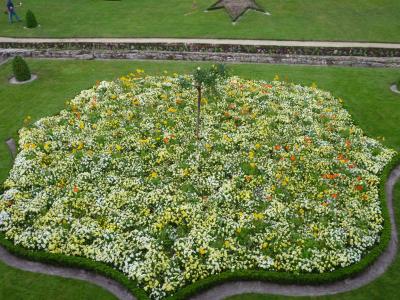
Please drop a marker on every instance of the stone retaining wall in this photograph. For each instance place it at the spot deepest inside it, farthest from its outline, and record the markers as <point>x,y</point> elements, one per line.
<point>358,61</point>
<point>204,47</point>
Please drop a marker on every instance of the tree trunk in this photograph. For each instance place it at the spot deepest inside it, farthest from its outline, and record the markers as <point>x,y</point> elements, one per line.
<point>198,111</point>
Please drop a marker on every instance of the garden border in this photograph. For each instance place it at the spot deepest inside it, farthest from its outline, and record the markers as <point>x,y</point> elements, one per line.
<point>341,277</point>
<point>227,50</point>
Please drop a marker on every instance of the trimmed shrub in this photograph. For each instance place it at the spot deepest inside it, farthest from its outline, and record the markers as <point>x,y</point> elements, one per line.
<point>21,69</point>
<point>31,19</point>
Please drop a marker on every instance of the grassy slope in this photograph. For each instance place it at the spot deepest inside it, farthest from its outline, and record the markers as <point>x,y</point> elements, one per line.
<point>365,92</point>
<point>356,20</point>
<point>386,287</point>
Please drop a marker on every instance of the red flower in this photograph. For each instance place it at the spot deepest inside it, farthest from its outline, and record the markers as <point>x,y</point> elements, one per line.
<point>359,187</point>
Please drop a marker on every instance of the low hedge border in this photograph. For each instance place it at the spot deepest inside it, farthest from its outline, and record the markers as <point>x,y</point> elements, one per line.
<point>212,48</point>
<point>204,284</point>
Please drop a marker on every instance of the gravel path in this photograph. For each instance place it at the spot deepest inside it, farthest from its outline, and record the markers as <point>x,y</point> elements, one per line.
<point>237,287</point>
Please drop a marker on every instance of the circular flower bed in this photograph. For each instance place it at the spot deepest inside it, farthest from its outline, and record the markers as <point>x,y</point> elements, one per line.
<point>281,179</point>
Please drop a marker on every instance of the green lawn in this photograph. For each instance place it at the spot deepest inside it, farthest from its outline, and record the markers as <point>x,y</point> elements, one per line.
<point>356,20</point>
<point>17,285</point>
<point>365,91</point>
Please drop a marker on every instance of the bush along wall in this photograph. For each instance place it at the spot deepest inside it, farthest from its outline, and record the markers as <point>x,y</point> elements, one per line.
<point>204,284</point>
<point>21,69</point>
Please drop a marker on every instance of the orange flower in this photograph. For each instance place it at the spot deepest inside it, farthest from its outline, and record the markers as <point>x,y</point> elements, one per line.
<point>359,187</point>
<point>293,158</point>
<point>334,196</point>
<point>348,144</point>
<point>166,140</point>
<point>248,178</point>
<point>278,147</point>
<point>342,158</point>
<point>330,176</point>
<point>76,189</point>
<point>307,139</point>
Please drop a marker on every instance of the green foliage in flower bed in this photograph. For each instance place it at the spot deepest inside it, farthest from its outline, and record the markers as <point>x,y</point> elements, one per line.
<point>249,118</point>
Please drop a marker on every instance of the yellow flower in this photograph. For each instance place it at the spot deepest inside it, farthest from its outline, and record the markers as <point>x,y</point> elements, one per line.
<point>171,110</point>
<point>227,138</point>
<point>258,146</point>
<point>251,154</point>
<point>144,141</point>
<point>114,97</point>
<point>276,78</point>
<point>81,125</point>
<point>227,244</point>
<point>253,165</point>
<point>258,216</point>
<point>153,175</point>
<point>202,251</point>
<point>118,147</point>
<point>47,146</point>
<point>80,145</point>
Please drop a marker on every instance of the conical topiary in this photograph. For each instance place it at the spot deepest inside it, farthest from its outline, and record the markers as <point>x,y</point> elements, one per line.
<point>31,19</point>
<point>21,69</point>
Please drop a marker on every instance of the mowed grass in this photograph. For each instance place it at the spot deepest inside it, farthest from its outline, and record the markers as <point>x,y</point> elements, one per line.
<point>385,287</point>
<point>19,285</point>
<point>365,92</point>
<point>344,20</point>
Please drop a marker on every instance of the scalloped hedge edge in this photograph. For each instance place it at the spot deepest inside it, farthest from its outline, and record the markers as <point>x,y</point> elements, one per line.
<point>211,281</point>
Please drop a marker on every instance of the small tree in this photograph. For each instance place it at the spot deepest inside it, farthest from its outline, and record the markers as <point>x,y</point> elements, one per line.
<point>21,69</point>
<point>31,19</point>
<point>205,79</point>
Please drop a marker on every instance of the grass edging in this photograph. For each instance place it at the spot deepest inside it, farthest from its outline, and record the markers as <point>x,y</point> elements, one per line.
<point>204,284</point>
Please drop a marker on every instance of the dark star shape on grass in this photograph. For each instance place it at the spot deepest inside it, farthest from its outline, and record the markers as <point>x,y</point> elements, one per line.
<point>236,8</point>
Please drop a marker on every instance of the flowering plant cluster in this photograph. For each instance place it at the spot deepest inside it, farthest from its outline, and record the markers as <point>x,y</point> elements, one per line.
<point>281,179</point>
